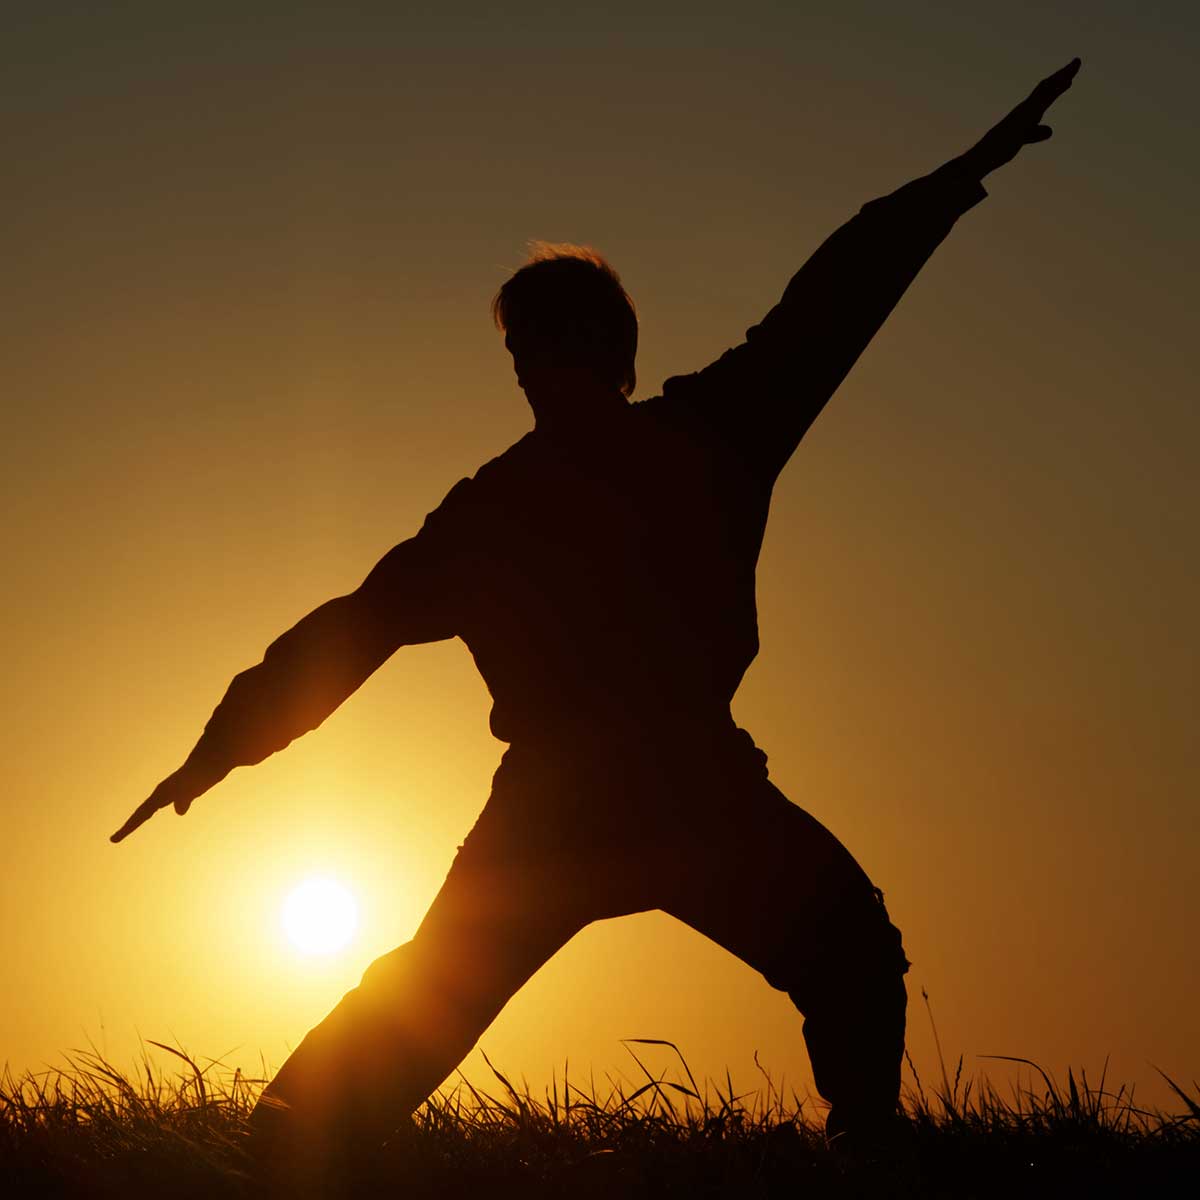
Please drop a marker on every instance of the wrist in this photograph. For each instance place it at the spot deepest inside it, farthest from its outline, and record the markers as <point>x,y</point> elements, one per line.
<point>967,165</point>
<point>960,181</point>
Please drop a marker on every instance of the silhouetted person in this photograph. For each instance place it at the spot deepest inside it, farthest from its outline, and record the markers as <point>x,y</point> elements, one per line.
<point>601,571</point>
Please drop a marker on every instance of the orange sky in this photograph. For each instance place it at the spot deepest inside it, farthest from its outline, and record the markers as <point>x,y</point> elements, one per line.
<point>246,347</point>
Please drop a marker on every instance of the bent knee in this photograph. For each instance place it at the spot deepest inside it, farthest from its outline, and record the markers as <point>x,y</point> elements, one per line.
<point>887,943</point>
<point>389,971</point>
<point>854,947</point>
<point>441,998</point>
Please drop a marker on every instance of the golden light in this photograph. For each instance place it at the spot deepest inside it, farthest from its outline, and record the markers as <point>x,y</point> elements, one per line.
<point>319,916</point>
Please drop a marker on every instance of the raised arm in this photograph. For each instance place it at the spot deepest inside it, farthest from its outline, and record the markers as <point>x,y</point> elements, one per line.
<point>761,397</point>
<point>307,672</point>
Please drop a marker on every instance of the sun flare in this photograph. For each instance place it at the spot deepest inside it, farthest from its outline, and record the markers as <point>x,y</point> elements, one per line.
<point>319,916</point>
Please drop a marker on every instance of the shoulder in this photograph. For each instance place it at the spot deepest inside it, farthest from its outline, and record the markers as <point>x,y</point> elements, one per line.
<point>694,416</point>
<point>687,412</point>
<point>674,410</point>
<point>476,494</point>
<point>496,473</point>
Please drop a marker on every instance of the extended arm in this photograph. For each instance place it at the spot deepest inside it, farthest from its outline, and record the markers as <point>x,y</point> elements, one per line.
<point>764,394</point>
<point>311,669</point>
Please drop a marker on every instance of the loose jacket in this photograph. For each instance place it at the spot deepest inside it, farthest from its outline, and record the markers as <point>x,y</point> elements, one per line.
<point>607,581</point>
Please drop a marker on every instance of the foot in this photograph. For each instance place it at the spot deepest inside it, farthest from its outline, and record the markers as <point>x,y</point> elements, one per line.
<point>874,1136</point>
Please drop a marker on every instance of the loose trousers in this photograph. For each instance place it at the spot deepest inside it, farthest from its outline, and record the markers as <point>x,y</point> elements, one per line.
<point>571,835</point>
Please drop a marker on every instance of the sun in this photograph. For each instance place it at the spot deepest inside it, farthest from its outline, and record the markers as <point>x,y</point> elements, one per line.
<point>319,916</point>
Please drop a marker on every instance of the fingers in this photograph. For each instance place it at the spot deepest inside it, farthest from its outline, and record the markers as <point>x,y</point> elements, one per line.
<point>141,815</point>
<point>1063,76</point>
<point>1054,85</point>
<point>167,793</point>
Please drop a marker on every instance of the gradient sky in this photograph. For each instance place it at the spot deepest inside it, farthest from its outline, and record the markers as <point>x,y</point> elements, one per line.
<point>248,255</point>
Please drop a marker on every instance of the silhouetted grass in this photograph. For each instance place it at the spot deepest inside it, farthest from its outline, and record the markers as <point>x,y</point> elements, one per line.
<point>92,1130</point>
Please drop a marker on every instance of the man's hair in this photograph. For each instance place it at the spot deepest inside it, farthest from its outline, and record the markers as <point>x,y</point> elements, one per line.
<point>568,301</point>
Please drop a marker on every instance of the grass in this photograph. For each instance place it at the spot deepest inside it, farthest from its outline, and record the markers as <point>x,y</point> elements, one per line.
<point>90,1130</point>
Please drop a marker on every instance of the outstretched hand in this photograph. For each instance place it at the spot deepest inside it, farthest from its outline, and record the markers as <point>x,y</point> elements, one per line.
<point>178,789</point>
<point>1021,127</point>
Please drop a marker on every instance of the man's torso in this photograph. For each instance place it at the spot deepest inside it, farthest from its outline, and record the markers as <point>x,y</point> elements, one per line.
<point>608,581</point>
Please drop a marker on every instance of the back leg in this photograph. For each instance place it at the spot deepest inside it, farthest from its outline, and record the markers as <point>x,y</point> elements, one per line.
<point>768,882</point>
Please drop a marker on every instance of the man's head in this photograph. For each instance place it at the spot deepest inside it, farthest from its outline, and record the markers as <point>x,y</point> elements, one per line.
<point>566,318</point>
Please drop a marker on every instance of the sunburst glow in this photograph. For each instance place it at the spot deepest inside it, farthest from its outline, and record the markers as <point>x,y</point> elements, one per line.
<point>319,916</point>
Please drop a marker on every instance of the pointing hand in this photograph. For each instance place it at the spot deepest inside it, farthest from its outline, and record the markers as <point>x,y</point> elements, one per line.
<point>1021,127</point>
<point>179,789</point>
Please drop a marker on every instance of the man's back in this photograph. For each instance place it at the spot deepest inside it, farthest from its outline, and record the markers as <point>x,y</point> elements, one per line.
<point>602,571</point>
<point>605,581</point>
<point>599,577</point>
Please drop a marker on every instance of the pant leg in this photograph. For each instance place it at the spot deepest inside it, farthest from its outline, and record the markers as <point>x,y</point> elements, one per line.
<point>766,880</point>
<point>419,1010</point>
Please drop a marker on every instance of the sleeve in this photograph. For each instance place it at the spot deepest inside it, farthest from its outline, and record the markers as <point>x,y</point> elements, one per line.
<point>761,396</point>
<point>410,596</point>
